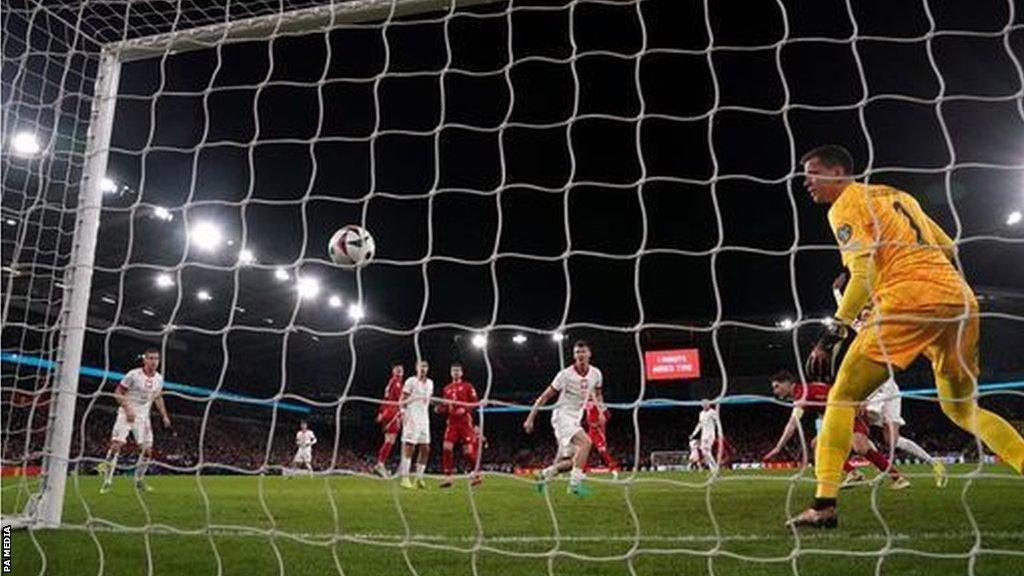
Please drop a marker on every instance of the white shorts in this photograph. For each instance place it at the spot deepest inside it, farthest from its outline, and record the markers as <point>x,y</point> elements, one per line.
<point>141,429</point>
<point>885,405</point>
<point>304,455</point>
<point>565,429</point>
<point>707,445</point>
<point>416,432</point>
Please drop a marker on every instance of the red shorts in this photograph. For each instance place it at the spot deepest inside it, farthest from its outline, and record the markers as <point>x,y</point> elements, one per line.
<point>861,425</point>
<point>597,437</point>
<point>460,432</point>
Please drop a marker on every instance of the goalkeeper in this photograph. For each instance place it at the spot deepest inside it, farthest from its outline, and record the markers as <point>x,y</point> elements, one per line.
<point>903,262</point>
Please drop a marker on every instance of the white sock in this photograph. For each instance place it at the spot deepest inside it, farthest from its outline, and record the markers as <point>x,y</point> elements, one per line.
<point>140,468</point>
<point>549,472</point>
<point>110,469</point>
<point>914,449</point>
<point>420,469</point>
<point>403,466</point>
<point>576,476</point>
<point>712,465</point>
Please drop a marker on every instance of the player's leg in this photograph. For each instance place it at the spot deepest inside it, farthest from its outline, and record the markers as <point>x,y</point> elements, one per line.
<point>858,376</point>
<point>408,449</point>
<point>109,464</point>
<point>471,452</point>
<point>576,477</point>
<point>954,359</point>
<point>863,445</point>
<point>451,433</point>
<point>707,449</point>
<point>421,462</point>
<point>143,432</point>
<point>384,453</point>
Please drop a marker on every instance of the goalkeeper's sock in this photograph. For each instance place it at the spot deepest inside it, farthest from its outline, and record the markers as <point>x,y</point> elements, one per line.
<point>576,476</point>
<point>881,461</point>
<point>914,449</point>
<point>832,449</point>
<point>420,469</point>
<point>403,466</point>
<point>448,461</point>
<point>385,452</point>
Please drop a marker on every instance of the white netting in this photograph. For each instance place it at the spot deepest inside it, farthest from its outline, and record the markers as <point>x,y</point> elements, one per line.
<point>623,172</point>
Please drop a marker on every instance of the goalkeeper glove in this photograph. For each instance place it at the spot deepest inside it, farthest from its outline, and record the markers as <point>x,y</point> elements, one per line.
<point>827,354</point>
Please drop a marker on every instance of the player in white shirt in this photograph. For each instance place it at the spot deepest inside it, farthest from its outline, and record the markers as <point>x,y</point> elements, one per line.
<point>693,458</point>
<point>574,385</point>
<point>707,427</point>
<point>137,392</point>
<point>304,440</point>
<point>883,409</point>
<point>416,397</point>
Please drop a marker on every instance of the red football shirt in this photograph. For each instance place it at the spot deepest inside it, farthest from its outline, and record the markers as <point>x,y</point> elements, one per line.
<point>392,397</point>
<point>463,400</point>
<point>811,396</point>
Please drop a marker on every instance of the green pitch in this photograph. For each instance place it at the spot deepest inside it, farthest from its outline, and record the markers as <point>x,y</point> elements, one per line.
<point>357,526</point>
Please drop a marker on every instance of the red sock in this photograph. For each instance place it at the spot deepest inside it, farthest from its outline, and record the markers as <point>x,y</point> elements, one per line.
<point>385,452</point>
<point>448,461</point>
<point>609,462</point>
<point>471,451</point>
<point>847,467</point>
<point>881,461</point>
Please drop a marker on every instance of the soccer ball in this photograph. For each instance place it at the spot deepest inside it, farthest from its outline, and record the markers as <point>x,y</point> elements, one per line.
<point>351,246</point>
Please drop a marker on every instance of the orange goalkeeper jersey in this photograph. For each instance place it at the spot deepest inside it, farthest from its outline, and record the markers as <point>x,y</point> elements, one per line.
<point>912,267</point>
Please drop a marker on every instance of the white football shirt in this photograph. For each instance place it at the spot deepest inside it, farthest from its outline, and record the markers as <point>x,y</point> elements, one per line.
<point>419,391</point>
<point>708,424</point>
<point>305,438</point>
<point>574,390</point>
<point>142,390</point>
<point>884,393</point>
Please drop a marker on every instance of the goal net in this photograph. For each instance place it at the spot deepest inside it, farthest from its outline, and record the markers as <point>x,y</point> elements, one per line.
<point>533,173</point>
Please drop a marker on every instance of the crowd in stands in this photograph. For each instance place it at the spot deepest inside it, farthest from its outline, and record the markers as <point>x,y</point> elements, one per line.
<point>260,443</point>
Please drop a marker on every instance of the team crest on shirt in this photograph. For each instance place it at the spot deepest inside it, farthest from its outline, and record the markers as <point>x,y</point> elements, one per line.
<point>844,233</point>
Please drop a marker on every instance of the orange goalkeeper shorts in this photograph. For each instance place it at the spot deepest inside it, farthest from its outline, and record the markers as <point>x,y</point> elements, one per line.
<point>945,335</point>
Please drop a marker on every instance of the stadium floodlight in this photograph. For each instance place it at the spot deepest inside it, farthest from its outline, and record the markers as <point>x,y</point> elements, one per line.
<point>785,323</point>
<point>281,274</point>
<point>108,186</point>
<point>108,300</point>
<point>206,236</point>
<point>308,288</point>
<point>25,144</point>
<point>557,336</point>
<point>334,301</point>
<point>11,222</point>
<point>246,257</point>
<point>356,312</point>
<point>163,214</point>
<point>479,341</point>
<point>148,312</point>
<point>1014,218</point>
<point>203,296</point>
<point>164,281</point>
<point>519,339</point>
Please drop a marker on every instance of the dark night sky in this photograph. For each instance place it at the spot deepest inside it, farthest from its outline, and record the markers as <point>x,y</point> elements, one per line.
<point>552,156</point>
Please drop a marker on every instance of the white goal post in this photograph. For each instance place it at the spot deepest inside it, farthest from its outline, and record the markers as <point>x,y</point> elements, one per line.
<point>45,508</point>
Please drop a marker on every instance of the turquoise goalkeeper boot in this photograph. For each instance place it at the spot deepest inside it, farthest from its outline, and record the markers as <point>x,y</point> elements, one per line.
<point>580,490</point>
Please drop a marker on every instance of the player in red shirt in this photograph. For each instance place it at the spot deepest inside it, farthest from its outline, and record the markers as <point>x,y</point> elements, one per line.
<point>596,420</point>
<point>459,402</point>
<point>389,417</point>
<point>812,397</point>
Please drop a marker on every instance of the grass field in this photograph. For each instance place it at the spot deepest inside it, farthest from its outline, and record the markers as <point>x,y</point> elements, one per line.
<point>362,526</point>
